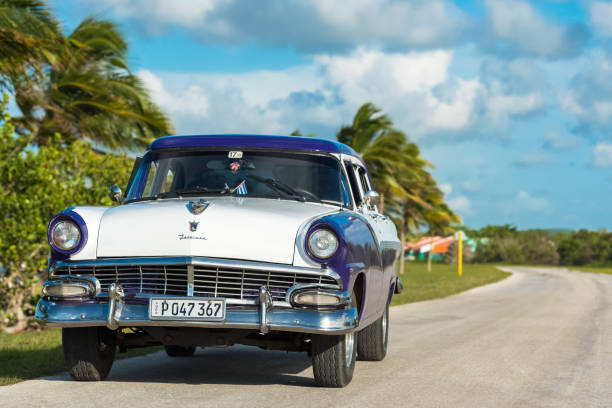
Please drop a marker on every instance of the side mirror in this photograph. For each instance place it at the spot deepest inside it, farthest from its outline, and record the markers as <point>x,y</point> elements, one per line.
<point>115,193</point>
<point>371,199</point>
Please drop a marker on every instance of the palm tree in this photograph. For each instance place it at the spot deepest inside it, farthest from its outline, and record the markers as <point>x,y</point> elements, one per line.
<point>399,173</point>
<point>372,135</point>
<point>83,89</point>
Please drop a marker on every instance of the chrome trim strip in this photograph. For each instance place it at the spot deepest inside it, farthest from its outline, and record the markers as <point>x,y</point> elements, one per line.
<point>203,261</point>
<point>190,281</point>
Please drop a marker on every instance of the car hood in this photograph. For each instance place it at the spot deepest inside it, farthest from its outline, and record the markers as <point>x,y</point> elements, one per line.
<point>254,229</point>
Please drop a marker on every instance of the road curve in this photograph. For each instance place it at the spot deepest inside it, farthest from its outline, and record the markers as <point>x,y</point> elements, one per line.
<point>541,338</point>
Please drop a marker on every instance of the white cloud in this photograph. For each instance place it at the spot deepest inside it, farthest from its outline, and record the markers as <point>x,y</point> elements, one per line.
<point>602,155</point>
<point>311,26</point>
<point>461,205</point>
<point>517,27</point>
<point>601,17</point>
<point>589,96</point>
<point>532,160</point>
<point>458,203</point>
<point>560,142</point>
<point>414,88</point>
<point>529,202</point>
<point>446,189</point>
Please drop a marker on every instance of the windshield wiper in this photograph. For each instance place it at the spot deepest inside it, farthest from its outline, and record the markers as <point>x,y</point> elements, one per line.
<point>196,190</point>
<point>282,187</point>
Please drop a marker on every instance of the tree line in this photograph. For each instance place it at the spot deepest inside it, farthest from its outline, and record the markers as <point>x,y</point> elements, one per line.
<point>507,244</point>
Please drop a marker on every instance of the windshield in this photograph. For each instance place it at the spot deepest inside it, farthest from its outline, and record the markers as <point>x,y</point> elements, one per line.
<point>295,176</point>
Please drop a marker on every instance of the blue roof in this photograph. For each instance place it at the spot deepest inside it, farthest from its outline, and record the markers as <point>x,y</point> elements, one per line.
<point>262,141</point>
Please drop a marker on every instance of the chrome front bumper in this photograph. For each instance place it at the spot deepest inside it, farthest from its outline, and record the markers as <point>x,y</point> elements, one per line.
<point>67,314</point>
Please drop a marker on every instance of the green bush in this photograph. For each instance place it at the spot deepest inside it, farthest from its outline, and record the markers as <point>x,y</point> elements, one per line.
<point>36,182</point>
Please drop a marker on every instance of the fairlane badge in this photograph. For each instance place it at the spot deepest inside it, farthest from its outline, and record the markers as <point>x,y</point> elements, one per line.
<point>184,236</point>
<point>193,226</point>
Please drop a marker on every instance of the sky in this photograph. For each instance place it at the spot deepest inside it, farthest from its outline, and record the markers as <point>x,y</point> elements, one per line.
<point>511,101</point>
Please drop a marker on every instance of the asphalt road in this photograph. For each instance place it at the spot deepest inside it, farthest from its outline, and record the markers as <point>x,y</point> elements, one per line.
<point>541,338</point>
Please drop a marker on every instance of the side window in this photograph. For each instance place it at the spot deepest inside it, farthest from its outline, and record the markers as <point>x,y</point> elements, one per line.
<point>149,184</point>
<point>363,178</point>
<point>354,183</point>
<point>346,194</point>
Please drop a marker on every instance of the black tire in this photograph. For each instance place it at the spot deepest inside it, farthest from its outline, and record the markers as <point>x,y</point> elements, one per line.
<point>333,359</point>
<point>89,352</point>
<point>372,341</point>
<point>179,351</point>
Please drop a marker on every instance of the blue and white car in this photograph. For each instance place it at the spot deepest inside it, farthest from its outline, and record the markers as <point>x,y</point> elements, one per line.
<point>268,241</point>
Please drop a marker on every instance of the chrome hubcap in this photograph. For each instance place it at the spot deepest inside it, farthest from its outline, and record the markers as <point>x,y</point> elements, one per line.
<point>384,328</point>
<point>349,343</point>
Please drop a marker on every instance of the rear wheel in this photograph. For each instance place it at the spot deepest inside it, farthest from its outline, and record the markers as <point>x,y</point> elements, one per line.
<point>372,341</point>
<point>179,351</point>
<point>89,352</point>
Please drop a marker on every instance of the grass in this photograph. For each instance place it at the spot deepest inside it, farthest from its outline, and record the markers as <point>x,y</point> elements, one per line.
<point>36,354</point>
<point>592,269</point>
<point>443,281</point>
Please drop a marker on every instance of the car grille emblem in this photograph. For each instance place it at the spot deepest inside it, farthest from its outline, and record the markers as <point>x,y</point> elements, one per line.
<point>197,207</point>
<point>193,226</point>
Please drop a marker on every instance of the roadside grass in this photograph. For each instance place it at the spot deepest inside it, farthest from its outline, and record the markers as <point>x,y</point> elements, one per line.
<point>36,354</point>
<point>443,280</point>
<point>592,269</point>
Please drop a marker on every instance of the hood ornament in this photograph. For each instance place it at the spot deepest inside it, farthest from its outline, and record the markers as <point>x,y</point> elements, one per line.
<point>197,207</point>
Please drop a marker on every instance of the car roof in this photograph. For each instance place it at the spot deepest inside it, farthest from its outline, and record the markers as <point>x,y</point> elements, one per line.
<point>257,141</point>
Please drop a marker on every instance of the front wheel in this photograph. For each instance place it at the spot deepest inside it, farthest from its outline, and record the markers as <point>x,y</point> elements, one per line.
<point>333,359</point>
<point>372,341</point>
<point>89,352</point>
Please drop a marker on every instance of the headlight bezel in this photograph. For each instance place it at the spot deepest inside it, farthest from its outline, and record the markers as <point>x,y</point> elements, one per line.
<point>312,253</point>
<point>77,220</point>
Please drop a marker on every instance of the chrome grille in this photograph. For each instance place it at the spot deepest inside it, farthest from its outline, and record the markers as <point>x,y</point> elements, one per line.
<point>213,281</point>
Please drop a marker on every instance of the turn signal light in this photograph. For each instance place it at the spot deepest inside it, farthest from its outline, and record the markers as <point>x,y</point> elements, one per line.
<point>317,299</point>
<point>65,290</point>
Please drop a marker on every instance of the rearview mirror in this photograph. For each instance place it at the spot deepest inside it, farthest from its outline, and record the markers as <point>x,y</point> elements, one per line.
<point>371,199</point>
<point>115,194</point>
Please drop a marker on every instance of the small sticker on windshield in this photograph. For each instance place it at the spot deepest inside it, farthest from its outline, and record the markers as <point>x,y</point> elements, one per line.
<point>235,155</point>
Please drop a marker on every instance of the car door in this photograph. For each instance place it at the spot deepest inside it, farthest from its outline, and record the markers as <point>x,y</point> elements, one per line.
<point>386,235</point>
<point>374,276</point>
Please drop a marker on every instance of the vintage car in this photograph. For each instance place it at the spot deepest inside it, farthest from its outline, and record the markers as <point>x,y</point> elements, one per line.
<point>269,241</point>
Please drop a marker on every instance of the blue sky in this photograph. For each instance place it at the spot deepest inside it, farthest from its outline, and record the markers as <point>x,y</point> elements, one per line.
<point>511,101</point>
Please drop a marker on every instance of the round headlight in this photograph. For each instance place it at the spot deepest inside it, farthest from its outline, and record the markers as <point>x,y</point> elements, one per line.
<point>323,243</point>
<point>65,235</point>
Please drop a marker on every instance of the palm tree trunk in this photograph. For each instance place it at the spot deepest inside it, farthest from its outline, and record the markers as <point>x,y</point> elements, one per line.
<point>403,242</point>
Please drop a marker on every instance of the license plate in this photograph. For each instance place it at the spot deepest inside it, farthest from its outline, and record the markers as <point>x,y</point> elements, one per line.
<point>187,309</point>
